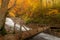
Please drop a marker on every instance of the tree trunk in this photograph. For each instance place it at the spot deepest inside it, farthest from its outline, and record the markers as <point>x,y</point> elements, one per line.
<point>3,14</point>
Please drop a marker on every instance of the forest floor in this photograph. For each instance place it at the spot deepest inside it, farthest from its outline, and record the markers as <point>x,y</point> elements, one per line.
<point>53,32</point>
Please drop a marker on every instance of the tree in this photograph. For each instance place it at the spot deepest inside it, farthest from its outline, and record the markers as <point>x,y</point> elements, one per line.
<point>3,13</point>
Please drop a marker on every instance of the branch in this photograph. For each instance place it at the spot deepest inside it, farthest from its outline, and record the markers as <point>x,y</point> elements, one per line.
<point>13,5</point>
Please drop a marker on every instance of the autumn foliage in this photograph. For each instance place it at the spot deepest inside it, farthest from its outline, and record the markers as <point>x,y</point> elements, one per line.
<point>34,11</point>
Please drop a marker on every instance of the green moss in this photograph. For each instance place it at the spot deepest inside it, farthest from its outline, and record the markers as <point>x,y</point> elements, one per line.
<point>28,21</point>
